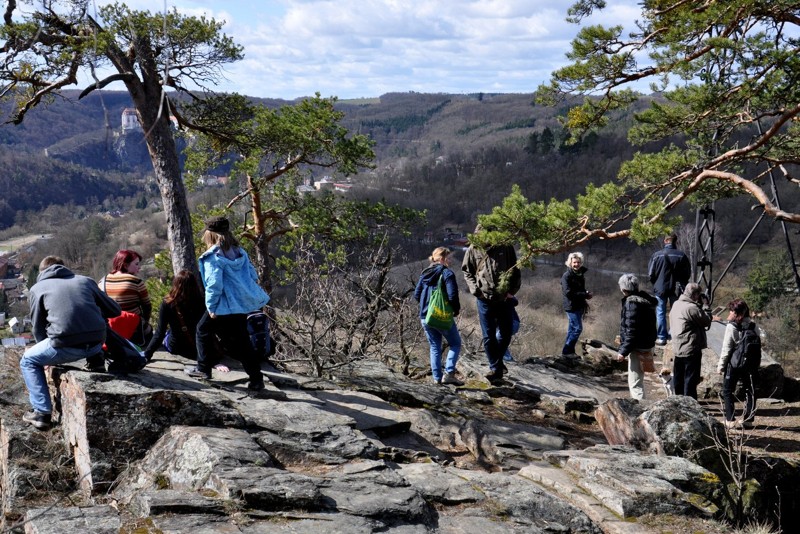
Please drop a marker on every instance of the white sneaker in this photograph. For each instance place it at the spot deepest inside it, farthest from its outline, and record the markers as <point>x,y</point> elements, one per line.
<point>745,424</point>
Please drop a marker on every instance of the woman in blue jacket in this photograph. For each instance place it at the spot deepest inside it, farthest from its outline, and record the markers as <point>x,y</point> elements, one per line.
<point>232,292</point>
<point>428,281</point>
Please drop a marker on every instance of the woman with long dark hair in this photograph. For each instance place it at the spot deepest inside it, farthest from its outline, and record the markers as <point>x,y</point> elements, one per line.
<point>178,316</point>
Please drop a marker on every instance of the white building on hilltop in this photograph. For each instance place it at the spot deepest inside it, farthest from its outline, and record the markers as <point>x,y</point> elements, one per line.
<point>130,120</point>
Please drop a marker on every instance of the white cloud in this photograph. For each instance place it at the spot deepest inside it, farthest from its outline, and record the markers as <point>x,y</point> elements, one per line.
<point>352,48</point>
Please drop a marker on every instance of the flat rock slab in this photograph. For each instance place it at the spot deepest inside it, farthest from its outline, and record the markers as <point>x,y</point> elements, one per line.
<point>89,520</point>
<point>375,378</point>
<point>489,441</point>
<point>368,411</point>
<point>520,505</point>
<point>168,501</point>
<point>632,484</point>
<point>317,444</point>
<point>557,387</point>
<point>440,484</point>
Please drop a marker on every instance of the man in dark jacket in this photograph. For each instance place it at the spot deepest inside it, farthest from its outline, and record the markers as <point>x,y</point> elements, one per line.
<point>493,277</point>
<point>637,331</point>
<point>669,272</point>
<point>68,317</point>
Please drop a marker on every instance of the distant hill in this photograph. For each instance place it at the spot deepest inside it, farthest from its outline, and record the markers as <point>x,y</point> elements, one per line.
<point>455,156</point>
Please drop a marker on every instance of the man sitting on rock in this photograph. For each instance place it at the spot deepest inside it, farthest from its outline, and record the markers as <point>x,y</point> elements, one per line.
<point>68,316</point>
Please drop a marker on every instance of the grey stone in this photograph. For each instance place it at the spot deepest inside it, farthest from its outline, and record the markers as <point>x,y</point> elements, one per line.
<point>676,426</point>
<point>111,422</point>
<point>516,500</point>
<point>91,520</point>
<point>308,523</point>
<point>267,488</point>
<point>185,457</point>
<point>194,524</point>
<point>167,501</point>
<point>368,411</point>
<point>371,489</point>
<point>559,388</point>
<point>440,484</point>
<point>331,445</point>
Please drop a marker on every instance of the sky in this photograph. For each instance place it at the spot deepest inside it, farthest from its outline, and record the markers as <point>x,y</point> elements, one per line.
<point>366,48</point>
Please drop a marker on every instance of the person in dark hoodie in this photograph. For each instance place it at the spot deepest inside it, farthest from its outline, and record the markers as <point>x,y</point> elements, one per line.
<point>68,318</point>
<point>573,287</point>
<point>428,281</point>
<point>637,331</point>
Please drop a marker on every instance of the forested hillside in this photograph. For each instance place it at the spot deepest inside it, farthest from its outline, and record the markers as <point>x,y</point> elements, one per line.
<point>453,155</point>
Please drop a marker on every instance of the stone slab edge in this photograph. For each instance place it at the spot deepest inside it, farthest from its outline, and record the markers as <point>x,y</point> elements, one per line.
<point>557,480</point>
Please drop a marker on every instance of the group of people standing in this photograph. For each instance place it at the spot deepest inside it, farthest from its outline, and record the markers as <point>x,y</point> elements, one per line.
<point>70,314</point>
<point>493,277</point>
<point>678,312</point>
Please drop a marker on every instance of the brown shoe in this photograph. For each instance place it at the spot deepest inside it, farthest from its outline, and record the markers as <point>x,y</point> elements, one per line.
<point>450,378</point>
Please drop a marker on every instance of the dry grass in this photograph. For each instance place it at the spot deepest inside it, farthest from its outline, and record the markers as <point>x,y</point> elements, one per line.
<point>543,323</point>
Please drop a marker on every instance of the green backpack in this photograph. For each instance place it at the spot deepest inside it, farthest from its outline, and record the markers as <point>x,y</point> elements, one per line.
<point>440,313</point>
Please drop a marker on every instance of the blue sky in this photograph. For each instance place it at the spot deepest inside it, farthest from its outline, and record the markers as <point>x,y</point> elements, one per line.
<point>365,48</point>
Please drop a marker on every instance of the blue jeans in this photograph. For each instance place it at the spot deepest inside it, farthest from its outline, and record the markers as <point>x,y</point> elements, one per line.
<point>435,339</point>
<point>496,323</point>
<point>574,329</point>
<point>514,329</point>
<point>37,357</point>
<point>662,332</point>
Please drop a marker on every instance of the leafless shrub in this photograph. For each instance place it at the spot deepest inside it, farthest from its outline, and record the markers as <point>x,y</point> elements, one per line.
<point>346,311</point>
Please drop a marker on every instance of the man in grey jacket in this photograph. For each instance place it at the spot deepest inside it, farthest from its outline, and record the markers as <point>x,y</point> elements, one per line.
<point>68,316</point>
<point>689,319</point>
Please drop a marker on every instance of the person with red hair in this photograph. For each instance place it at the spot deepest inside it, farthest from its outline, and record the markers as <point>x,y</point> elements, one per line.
<point>129,291</point>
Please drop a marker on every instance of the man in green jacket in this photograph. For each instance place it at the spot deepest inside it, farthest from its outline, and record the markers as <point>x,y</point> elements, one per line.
<point>493,277</point>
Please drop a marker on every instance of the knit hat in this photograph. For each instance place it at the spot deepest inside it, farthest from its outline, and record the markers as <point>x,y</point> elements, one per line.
<point>219,225</point>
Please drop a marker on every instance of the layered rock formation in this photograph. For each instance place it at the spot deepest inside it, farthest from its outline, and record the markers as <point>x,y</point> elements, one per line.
<point>368,450</point>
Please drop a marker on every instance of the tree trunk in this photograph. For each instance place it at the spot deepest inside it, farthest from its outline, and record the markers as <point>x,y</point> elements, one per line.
<point>261,241</point>
<point>163,153</point>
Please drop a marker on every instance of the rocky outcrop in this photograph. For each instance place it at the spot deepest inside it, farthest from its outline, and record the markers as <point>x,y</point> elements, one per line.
<point>676,426</point>
<point>364,450</point>
<point>739,483</point>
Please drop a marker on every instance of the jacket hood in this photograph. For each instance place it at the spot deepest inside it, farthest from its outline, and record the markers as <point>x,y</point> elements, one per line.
<point>55,271</point>
<point>430,276</point>
<point>236,264</point>
<point>640,297</point>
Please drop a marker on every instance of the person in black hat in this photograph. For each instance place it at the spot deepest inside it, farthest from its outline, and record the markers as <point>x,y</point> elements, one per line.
<point>231,293</point>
